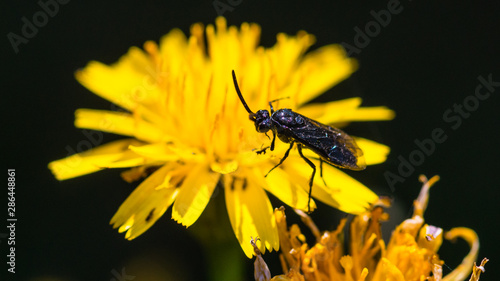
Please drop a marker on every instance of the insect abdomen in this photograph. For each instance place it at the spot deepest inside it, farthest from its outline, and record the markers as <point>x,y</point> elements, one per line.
<point>343,157</point>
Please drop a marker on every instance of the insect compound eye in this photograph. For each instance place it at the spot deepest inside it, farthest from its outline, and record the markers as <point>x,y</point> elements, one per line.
<point>262,121</point>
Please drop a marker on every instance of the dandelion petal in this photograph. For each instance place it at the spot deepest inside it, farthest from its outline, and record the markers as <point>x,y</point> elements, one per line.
<point>146,204</point>
<point>251,215</point>
<point>194,194</point>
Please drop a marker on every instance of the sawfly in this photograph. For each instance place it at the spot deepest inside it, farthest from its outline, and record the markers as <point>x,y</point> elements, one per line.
<point>332,145</point>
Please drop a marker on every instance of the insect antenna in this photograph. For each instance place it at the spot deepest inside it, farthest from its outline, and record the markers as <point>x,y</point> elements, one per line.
<point>240,95</point>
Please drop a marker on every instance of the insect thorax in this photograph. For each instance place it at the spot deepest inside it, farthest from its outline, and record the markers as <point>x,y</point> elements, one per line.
<point>287,118</point>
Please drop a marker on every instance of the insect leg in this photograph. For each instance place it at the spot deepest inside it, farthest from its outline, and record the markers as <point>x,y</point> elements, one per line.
<point>312,176</point>
<point>271,103</point>
<point>274,139</point>
<point>275,100</point>
<point>321,170</point>
<point>263,150</point>
<point>282,159</point>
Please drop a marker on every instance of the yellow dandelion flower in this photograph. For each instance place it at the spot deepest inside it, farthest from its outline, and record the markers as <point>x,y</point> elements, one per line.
<point>410,255</point>
<point>187,130</point>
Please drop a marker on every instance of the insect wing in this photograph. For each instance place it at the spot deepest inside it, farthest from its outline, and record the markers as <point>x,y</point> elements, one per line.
<point>333,145</point>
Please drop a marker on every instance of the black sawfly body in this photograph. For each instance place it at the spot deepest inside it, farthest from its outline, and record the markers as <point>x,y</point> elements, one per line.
<point>332,145</point>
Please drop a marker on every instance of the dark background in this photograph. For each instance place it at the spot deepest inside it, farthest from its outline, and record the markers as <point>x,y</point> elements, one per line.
<point>423,62</point>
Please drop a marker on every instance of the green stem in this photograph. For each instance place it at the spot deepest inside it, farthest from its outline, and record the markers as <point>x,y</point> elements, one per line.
<point>224,256</point>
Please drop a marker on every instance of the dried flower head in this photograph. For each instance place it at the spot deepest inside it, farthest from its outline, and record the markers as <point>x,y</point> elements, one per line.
<point>411,253</point>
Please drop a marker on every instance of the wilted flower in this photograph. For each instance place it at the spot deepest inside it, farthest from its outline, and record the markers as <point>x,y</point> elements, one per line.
<point>187,130</point>
<point>410,255</point>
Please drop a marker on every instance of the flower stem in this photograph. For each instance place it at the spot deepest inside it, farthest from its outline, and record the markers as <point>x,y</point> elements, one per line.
<point>225,259</point>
